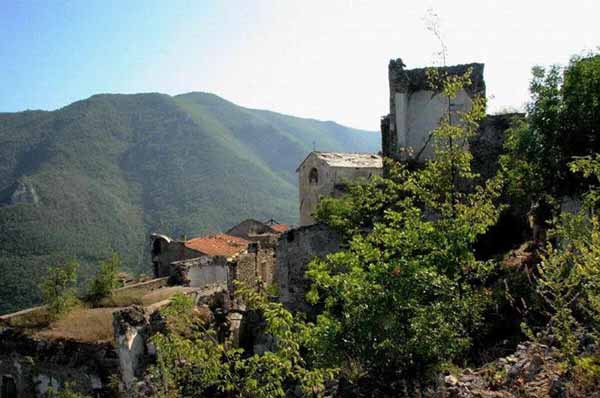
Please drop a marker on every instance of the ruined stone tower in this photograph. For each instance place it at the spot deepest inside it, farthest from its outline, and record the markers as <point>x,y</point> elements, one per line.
<point>417,106</point>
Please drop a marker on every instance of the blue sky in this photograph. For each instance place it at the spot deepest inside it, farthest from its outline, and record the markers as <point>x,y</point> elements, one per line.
<point>321,59</point>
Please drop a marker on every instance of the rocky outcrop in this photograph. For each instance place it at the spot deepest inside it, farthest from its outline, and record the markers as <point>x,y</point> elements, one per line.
<point>19,193</point>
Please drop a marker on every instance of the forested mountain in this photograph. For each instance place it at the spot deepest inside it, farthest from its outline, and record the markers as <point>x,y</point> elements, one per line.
<point>100,174</point>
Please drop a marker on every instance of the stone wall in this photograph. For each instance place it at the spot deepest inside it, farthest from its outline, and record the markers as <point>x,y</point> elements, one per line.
<point>35,365</point>
<point>488,144</point>
<point>258,263</point>
<point>295,249</point>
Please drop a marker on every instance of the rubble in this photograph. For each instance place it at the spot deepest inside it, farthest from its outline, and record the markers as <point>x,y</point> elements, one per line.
<point>532,371</point>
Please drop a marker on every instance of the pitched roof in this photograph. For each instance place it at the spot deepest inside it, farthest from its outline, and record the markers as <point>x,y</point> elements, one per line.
<point>218,245</point>
<point>275,226</point>
<point>279,227</point>
<point>349,159</point>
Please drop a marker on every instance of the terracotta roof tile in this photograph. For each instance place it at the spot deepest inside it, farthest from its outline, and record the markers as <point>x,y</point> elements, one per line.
<point>280,227</point>
<point>218,245</point>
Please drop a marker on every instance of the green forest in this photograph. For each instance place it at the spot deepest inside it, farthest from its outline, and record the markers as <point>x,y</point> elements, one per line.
<point>99,175</point>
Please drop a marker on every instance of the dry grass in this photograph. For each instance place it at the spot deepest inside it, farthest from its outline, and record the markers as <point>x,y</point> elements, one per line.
<point>164,293</point>
<point>82,324</point>
<point>124,298</point>
<point>35,319</point>
<point>90,324</point>
<point>140,296</point>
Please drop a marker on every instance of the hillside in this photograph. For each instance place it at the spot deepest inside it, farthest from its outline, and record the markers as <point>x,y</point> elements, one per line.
<point>102,173</point>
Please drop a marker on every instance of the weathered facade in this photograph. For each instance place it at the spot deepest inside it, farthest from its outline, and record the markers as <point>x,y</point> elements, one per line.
<point>201,272</point>
<point>417,105</point>
<point>295,249</point>
<point>258,263</point>
<point>325,174</point>
<point>488,144</point>
<point>165,250</point>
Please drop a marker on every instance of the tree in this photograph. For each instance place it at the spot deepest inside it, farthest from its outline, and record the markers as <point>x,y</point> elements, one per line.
<point>58,289</point>
<point>407,296</point>
<point>106,280</point>
<point>580,116</point>
<point>563,116</point>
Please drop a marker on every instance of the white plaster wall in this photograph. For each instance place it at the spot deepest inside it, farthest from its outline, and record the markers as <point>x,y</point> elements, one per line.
<point>401,105</point>
<point>209,274</point>
<point>418,114</point>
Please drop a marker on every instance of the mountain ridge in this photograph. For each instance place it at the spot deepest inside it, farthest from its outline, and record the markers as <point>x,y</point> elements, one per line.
<point>100,174</point>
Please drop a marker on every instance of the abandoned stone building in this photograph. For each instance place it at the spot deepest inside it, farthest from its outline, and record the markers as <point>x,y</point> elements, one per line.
<point>327,174</point>
<point>236,240</point>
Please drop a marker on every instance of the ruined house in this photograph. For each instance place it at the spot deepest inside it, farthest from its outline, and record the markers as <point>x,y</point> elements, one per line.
<point>324,174</point>
<point>165,250</point>
<point>84,348</point>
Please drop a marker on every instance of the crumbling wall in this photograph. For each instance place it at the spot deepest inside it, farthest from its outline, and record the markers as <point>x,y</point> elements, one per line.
<point>266,259</point>
<point>488,144</point>
<point>295,249</point>
<point>203,271</point>
<point>244,267</point>
<point>417,105</point>
<point>131,328</point>
<point>35,365</point>
<point>257,264</point>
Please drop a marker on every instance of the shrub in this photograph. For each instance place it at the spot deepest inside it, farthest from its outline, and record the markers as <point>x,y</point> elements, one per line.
<point>191,362</point>
<point>106,280</point>
<point>58,289</point>
<point>568,280</point>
